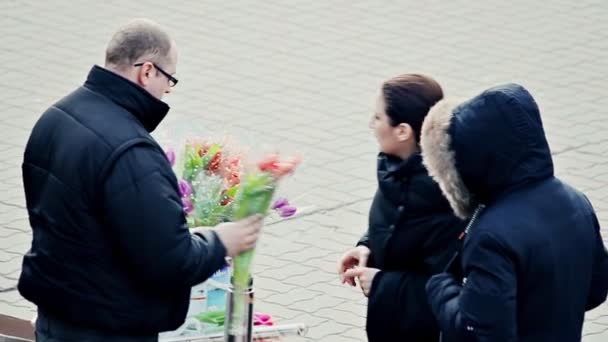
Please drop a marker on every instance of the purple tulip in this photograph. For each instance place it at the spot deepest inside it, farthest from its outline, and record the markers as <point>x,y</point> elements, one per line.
<point>185,190</point>
<point>170,156</point>
<point>280,203</point>
<point>187,204</point>
<point>287,211</point>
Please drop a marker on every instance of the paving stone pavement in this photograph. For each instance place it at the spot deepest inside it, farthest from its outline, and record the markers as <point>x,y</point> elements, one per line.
<point>301,75</point>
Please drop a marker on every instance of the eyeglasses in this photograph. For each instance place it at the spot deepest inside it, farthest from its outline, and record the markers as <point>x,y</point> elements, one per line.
<point>172,80</point>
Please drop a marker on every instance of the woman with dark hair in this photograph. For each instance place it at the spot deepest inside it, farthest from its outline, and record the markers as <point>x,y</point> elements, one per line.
<point>412,232</point>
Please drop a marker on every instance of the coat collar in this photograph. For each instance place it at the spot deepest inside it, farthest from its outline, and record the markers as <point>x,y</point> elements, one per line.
<point>406,182</point>
<point>392,168</point>
<point>149,110</point>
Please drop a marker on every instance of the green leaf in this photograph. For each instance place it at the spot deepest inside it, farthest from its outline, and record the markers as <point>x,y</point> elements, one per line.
<point>254,196</point>
<point>216,317</point>
<point>232,191</point>
<point>193,164</point>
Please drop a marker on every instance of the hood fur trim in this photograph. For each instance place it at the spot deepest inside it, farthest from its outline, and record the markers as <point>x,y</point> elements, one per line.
<point>439,158</point>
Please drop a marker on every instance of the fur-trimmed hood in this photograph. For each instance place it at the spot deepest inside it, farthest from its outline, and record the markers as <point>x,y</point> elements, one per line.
<point>482,148</point>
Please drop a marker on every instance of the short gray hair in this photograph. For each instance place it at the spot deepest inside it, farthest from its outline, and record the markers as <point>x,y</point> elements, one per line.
<point>136,39</point>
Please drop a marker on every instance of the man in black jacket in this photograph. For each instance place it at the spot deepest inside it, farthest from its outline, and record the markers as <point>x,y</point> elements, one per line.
<point>112,258</point>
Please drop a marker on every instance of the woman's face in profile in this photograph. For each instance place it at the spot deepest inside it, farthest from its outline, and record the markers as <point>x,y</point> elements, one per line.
<point>386,135</point>
<point>397,140</point>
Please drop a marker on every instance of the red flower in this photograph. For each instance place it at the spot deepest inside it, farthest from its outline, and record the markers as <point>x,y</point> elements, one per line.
<point>269,164</point>
<point>279,168</point>
<point>225,199</point>
<point>233,179</point>
<point>203,150</point>
<point>231,171</point>
<point>214,164</point>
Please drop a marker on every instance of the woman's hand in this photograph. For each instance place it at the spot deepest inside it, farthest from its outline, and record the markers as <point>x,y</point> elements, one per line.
<point>355,257</point>
<point>365,275</point>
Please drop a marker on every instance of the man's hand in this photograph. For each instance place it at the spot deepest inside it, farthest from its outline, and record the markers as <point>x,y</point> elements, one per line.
<point>355,257</point>
<point>240,236</point>
<point>365,275</point>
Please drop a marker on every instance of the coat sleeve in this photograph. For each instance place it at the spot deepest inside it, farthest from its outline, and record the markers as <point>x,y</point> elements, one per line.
<point>364,241</point>
<point>484,308</point>
<point>599,276</point>
<point>145,218</point>
<point>397,306</point>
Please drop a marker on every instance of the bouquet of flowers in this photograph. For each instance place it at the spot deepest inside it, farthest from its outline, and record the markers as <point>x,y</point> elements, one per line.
<point>254,197</point>
<point>210,178</point>
<point>216,186</point>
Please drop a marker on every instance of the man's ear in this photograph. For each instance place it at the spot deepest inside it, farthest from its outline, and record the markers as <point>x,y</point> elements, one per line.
<point>404,132</point>
<point>144,74</point>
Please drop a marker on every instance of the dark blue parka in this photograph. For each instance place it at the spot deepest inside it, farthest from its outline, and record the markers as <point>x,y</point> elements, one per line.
<point>534,260</point>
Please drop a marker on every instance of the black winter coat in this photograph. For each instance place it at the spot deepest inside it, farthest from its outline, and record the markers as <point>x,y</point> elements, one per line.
<point>111,249</point>
<point>412,234</point>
